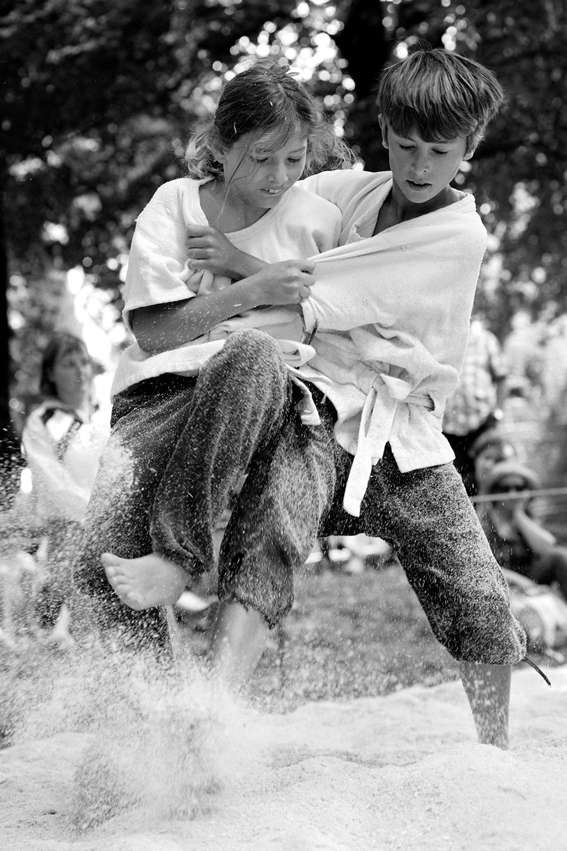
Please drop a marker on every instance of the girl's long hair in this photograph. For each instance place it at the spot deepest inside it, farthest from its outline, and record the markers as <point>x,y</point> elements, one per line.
<point>267,102</point>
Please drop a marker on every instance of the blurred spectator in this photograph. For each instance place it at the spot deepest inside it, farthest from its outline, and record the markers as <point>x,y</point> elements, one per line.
<point>489,449</point>
<point>351,553</point>
<point>518,541</point>
<point>524,353</point>
<point>477,403</point>
<point>62,439</point>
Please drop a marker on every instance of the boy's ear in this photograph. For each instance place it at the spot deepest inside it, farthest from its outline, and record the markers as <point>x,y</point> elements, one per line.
<point>384,128</point>
<point>470,153</point>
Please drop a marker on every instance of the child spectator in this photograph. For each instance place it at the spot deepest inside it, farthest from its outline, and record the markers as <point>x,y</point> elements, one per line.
<point>518,541</point>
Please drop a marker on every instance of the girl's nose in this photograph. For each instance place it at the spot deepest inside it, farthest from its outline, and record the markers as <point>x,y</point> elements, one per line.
<point>278,173</point>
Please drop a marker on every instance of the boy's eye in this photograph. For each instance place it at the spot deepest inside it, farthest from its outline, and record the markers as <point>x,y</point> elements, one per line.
<point>294,159</point>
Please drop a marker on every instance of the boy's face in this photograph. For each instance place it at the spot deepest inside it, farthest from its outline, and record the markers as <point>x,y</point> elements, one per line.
<point>422,170</point>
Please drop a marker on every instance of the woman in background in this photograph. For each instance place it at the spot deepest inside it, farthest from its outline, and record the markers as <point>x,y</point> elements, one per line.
<point>62,439</point>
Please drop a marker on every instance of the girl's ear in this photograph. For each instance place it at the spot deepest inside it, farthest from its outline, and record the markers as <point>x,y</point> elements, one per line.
<point>384,128</point>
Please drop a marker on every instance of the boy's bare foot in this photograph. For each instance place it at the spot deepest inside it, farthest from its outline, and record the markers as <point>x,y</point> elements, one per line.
<point>488,690</point>
<point>145,582</point>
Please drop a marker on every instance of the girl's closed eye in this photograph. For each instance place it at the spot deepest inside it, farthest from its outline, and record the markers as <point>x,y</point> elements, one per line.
<point>260,160</point>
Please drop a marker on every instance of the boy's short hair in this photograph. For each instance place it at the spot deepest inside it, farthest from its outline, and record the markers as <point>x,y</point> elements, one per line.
<point>439,94</point>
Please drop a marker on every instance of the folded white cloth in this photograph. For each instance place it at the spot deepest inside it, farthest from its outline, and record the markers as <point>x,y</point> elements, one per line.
<point>392,315</point>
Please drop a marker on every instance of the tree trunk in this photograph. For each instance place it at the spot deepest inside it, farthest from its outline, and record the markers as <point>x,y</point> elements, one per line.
<point>10,455</point>
<point>362,42</point>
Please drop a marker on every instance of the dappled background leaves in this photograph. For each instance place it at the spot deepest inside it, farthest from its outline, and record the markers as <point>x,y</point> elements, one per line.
<point>99,97</point>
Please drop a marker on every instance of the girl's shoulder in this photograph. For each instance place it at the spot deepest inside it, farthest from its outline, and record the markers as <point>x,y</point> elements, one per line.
<point>178,199</point>
<point>301,200</point>
<point>179,188</point>
<point>343,185</point>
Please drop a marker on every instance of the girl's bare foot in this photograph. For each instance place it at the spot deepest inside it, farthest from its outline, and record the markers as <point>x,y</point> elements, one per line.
<point>145,582</point>
<point>60,634</point>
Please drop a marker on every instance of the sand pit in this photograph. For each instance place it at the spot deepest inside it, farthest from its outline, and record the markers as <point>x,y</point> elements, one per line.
<point>158,772</point>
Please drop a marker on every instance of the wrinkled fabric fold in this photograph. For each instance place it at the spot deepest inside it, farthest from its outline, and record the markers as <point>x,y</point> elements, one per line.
<point>376,423</point>
<point>395,307</point>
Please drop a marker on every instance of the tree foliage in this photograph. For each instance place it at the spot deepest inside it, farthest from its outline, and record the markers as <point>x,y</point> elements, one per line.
<point>522,170</point>
<point>99,97</point>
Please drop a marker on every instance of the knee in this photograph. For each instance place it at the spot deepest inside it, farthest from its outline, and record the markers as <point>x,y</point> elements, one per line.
<point>250,358</point>
<point>254,345</point>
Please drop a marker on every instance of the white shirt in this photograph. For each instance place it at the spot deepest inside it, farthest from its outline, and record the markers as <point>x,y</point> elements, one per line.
<point>392,314</point>
<point>301,225</point>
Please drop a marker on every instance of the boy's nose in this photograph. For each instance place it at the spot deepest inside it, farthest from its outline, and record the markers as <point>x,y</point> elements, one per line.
<point>420,165</point>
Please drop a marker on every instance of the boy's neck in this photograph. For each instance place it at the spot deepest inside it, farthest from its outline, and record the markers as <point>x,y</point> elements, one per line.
<point>397,209</point>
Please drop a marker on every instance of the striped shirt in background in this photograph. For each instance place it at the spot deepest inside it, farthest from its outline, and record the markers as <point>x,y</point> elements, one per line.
<point>476,395</point>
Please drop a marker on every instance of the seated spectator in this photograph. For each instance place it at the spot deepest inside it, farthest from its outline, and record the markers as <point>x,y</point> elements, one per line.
<point>489,449</point>
<point>62,439</point>
<point>518,541</point>
<point>477,404</point>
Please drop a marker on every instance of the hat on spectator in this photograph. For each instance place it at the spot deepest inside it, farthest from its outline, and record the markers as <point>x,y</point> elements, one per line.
<point>511,469</point>
<point>492,437</point>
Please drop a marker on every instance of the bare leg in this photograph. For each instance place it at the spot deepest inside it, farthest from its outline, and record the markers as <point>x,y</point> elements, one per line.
<point>239,639</point>
<point>61,635</point>
<point>488,690</point>
<point>145,582</point>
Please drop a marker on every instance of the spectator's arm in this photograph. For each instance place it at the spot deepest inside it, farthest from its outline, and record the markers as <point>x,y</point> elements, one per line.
<point>539,540</point>
<point>501,393</point>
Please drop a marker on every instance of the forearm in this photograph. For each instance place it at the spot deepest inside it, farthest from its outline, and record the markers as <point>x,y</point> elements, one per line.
<point>501,392</point>
<point>244,265</point>
<point>538,539</point>
<point>164,327</point>
<point>209,249</point>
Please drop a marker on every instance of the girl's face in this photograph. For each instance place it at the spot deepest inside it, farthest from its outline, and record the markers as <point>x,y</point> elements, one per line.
<point>72,375</point>
<point>421,170</point>
<point>257,177</point>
